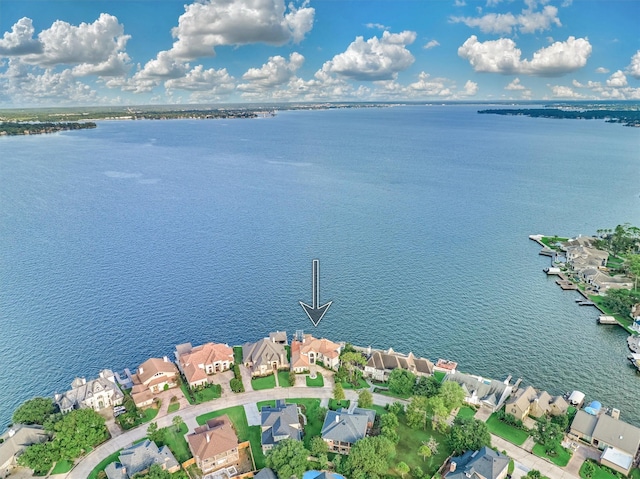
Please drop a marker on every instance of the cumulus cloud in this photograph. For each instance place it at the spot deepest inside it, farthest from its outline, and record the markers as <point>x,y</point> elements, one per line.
<point>560,91</point>
<point>20,41</point>
<point>378,26</point>
<point>374,59</point>
<point>276,72</point>
<point>502,56</point>
<point>515,85</point>
<point>617,80</point>
<point>470,88</point>
<point>615,88</point>
<point>211,23</point>
<point>529,21</point>
<point>216,82</point>
<point>634,67</point>
<point>432,44</point>
<point>602,70</point>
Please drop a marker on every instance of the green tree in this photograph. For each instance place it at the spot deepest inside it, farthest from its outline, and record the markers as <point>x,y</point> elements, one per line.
<point>322,413</point>
<point>78,431</point>
<point>318,446</point>
<point>389,426</point>
<point>369,458</point>
<point>288,458</point>
<point>468,433</point>
<point>534,474</point>
<point>365,398</point>
<point>292,378</point>
<point>34,411</point>
<point>155,472</point>
<point>425,451</point>
<point>588,469</point>
<point>548,434</point>
<point>437,411</point>
<point>426,386</point>
<point>338,392</point>
<point>153,433</point>
<point>349,361</point>
<point>417,472</point>
<point>177,422</point>
<point>402,468</point>
<point>452,395</point>
<point>417,412</point>
<point>634,267</point>
<point>401,382</point>
<point>39,457</point>
<point>396,408</point>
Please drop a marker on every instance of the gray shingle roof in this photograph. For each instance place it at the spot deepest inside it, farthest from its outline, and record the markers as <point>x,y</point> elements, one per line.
<point>618,434</point>
<point>489,391</point>
<point>279,421</point>
<point>18,438</point>
<point>266,473</point>
<point>344,427</point>
<point>138,457</point>
<point>485,463</point>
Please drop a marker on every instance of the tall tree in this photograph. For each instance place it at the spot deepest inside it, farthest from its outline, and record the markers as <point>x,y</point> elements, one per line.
<point>369,458</point>
<point>177,422</point>
<point>365,398</point>
<point>318,446</point>
<point>338,392</point>
<point>349,361</point>
<point>34,411</point>
<point>548,434</point>
<point>452,395</point>
<point>417,412</point>
<point>426,386</point>
<point>468,433</point>
<point>39,457</point>
<point>288,458</point>
<point>401,382</point>
<point>403,469</point>
<point>389,426</point>
<point>425,451</point>
<point>78,431</point>
<point>437,411</point>
<point>634,267</point>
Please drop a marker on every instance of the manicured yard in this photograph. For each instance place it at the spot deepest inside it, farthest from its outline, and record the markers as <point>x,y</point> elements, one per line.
<point>266,382</point>
<point>270,402</point>
<point>561,459</point>
<point>506,432</point>
<point>213,391</point>
<point>149,414</point>
<point>335,405</point>
<point>104,463</point>
<point>362,384</point>
<point>245,432</point>
<point>176,442</point>
<point>602,472</point>
<point>318,382</point>
<point>173,407</point>
<point>624,320</point>
<point>314,424</point>
<point>386,392</point>
<point>550,241</point>
<point>439,375</point>
<point>466,411</point>
<point>62,467</point>
<point>635,473</point>
<point>283,379</point>
<point>237,354</point>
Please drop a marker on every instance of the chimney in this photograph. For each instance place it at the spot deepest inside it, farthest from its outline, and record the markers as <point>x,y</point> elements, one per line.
<point>452,467</point>
<point>208,437</point>
<point>140,370</point>
<point>337,418</point>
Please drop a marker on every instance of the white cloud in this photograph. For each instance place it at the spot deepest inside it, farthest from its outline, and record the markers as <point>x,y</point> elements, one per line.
<point>617,80</point>
<point>216,82</point>
<point>459,3</point>
<point>560,91</point>
<point>470,88</point>
<point>276,72</point>
<point>634,67</point>
<point>20,41</point>
<point>378,26</point>
<point>602,70</point>
<point>155,71</point>
<point>504,23</point>
<point>427,86</point>
<point>515,85</point>
<point>502,56</point>
<point>374,59</point>
<point>432,44</point>
<point>207,24</point>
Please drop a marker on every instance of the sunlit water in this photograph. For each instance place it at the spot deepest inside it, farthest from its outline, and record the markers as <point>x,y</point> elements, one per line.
<point>120,242</point>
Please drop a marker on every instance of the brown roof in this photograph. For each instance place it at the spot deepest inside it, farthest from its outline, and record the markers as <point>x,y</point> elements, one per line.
<point>216,437</point>
<point>208,353</point>
<point>300,350</point>
<point>446,364</point>
<point>152,366</point>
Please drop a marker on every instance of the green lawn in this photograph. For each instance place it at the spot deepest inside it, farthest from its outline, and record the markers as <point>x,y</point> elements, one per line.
<point>310,410</point>
<point>186,392</point>
<point>177,442</point>
<point>561,459</point>
<point>266,382</point>
<point>149,414</point>
<point>104,463</point>
<point>173,407</point>
<point>362,384</point>
<point>245,432</point>
<point>623,320</point>
<point>283,379</point>
<point>635,473</point>
<point>506,432</point>
<point>269,402</point>
<point>466,411</point>
<point>439,375</point>
<point>550,241</point>
<point>386,392</point>
<point>335,405</point>
<point>602,472</point>
<point>213,391</point>
<point>62,467</point>
<point>237,355</point>
<point>288,350</point>
<point>318,382</point>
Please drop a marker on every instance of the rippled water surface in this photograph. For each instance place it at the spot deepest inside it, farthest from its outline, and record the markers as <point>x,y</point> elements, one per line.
<point>120,242</point>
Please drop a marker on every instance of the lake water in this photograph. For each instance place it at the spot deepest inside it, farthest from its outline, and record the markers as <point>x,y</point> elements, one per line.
<point>119,243</point>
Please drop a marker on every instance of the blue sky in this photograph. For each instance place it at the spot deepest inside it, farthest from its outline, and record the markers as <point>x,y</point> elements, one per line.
<point>120,52</point>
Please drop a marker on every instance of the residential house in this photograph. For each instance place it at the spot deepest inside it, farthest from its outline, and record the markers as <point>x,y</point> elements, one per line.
<point>215,445</point>
<point>381,363</point>
<point>153,376</point>
<point>480,391</point>
<point>138,458</point>
<point>369,413</point>
<point>306,351</point>
<point>581,256</point>
<point>619,440</point>
<point>265,473</point>
<point>483,464</point>
<point>95,394</point>
<point>279,423</point>
<point>197,364</point>
<point>14,441</point>
<point>342,429</point>
<point>264,357</point>
<point>279,337</point>
<point>601,281</point>
<point>529,402</point>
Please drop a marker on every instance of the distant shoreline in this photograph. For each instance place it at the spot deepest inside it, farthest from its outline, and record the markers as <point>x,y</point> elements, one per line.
<point>626,117</point>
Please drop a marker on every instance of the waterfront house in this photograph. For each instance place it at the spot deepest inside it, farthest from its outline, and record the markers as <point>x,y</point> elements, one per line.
<point>618,440</point>
<point>279,337</point>
<point>381,363</point>
<point>481,391</point>
<point>483,464</point>
<point>529,402</point>
<point>264,357</point>
<point>197,364</point>
<point>278,423</point>
<point>342,429</point>
<point>601,281</point>
<point>14,441</point>
<point>215,445</point>
<point>138,458</point>
<point>154,375</point>
<point>95,394</point>
<point>306,351</point>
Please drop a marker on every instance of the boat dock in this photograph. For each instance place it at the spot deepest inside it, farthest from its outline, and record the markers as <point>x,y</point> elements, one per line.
<point>633,342</point>
<point>635,360</point>
<point>604,319</point>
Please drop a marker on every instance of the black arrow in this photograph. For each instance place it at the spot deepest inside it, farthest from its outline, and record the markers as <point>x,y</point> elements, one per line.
<point>314,311</point>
